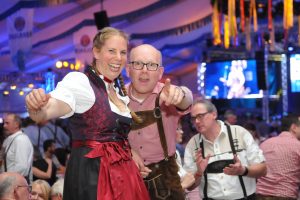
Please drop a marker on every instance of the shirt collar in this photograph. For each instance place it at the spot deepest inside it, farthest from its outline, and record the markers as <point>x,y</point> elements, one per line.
<point>158,87</point>
<point>223,130</point>
<point>15,134</point>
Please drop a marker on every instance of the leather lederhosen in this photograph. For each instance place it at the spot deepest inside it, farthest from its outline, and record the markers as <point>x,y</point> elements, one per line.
<point>163,182</point>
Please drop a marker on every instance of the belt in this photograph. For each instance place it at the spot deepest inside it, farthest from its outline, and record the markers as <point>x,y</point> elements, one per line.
<point>250,197</point>
<point>268,197</point>
<point>162,162</point>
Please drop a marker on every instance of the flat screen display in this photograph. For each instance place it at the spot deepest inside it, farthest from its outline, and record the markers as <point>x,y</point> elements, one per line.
<point>295,72</point>
<point>231,79</point>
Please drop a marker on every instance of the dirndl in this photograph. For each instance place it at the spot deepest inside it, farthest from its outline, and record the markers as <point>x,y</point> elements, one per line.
<point>123,181</point>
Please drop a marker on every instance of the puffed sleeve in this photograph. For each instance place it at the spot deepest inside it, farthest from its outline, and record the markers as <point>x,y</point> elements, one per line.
<point>76,91</point>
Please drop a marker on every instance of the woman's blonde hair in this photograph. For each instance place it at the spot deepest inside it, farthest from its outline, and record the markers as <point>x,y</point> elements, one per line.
<point>44,185</point>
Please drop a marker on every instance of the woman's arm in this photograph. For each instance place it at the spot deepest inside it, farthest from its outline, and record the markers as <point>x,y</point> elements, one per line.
<point>41,174</point>
<point>42,106</point>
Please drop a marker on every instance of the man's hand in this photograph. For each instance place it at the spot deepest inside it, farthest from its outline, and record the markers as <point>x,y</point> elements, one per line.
<point>144,171</point>
<point>201,162</point>
<point>171,94</point>
<point>234,169</point>
<point>187,180</point>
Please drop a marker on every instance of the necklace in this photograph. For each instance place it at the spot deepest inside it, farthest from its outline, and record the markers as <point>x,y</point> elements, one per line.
<point>115,100</point>
<point>111,92</point>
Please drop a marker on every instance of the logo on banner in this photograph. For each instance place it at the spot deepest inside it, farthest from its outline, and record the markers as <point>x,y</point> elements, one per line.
<point>19,24</point>
<point>84,46</point>
<point>85,40</point>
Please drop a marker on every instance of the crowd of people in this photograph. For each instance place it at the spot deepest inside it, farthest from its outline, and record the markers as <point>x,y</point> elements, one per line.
<point>123,139</point>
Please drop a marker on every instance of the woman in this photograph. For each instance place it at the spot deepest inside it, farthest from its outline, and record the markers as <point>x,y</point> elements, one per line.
<point>100,165</point>
<point>40,190</point>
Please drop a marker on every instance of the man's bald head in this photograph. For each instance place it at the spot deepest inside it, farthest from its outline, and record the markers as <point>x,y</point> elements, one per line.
<point>147,48</point>
<point>9,181</point>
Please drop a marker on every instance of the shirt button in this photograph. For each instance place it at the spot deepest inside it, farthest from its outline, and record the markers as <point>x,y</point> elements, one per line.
<point>224,189</point>
<point>141,147</point>
<point>139,133</point>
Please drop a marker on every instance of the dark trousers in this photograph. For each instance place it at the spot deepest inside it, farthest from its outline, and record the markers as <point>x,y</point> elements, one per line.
<point>163,183</point>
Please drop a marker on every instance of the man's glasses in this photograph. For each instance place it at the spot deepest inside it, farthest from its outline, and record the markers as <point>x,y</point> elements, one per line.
<point>138,65</point>
<point>29,187</point>
<point>199,116</point>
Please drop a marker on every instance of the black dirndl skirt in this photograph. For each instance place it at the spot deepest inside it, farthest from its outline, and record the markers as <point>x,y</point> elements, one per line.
<point>81,178</point>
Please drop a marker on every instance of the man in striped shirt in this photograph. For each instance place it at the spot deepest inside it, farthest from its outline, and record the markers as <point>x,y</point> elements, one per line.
<point>282,155</point>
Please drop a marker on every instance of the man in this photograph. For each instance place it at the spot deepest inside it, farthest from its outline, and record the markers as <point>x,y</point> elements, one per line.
<point>155,142</point>
<point>230,117</point>
<point>13,186</point>
<point>282,155</point>
<point>227,156</point>
<point>39,133</point>
<point>18,150</point>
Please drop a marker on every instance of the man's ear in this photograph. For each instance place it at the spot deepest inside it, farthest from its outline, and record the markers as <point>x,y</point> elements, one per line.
<point>161,72</point>
<point>215,115</point>
<point>292,128</point>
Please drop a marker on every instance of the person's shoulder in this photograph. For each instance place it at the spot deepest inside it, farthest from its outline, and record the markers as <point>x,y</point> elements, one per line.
<point>74,80</point>
<point>239,128</point>
<point>195,139</point>
<point>75,76</point>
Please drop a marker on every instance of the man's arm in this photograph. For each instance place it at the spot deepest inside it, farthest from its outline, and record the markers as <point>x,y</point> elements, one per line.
<point>254,170</point>
<point>181,97</point>
<point>187,99</point>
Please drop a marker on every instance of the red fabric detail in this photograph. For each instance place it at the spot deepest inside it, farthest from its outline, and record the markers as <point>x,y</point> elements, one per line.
<point>119,178</point>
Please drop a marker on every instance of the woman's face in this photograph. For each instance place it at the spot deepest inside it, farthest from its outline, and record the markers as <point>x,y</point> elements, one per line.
<point>179,133</point>
<point>112,57</point>
<point>37,193</point>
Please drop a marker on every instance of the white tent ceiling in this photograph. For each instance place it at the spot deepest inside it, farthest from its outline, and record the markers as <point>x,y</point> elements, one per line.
<point>150,21</point>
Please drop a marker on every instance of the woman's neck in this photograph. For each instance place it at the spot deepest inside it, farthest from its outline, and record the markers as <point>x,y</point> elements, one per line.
<point>105,78</point>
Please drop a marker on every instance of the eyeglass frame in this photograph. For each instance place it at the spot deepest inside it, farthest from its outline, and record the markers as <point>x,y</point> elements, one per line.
<point>144,64</point>
<point>29,187</point>
<point>199,116</point>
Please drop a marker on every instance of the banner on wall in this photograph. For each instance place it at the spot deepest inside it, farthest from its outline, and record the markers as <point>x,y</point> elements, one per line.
<point>83,44</point>
<point>20,25</point>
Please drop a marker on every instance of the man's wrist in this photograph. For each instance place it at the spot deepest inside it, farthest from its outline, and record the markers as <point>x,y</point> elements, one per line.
<point>246,171</point>
<point>197,175</point>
